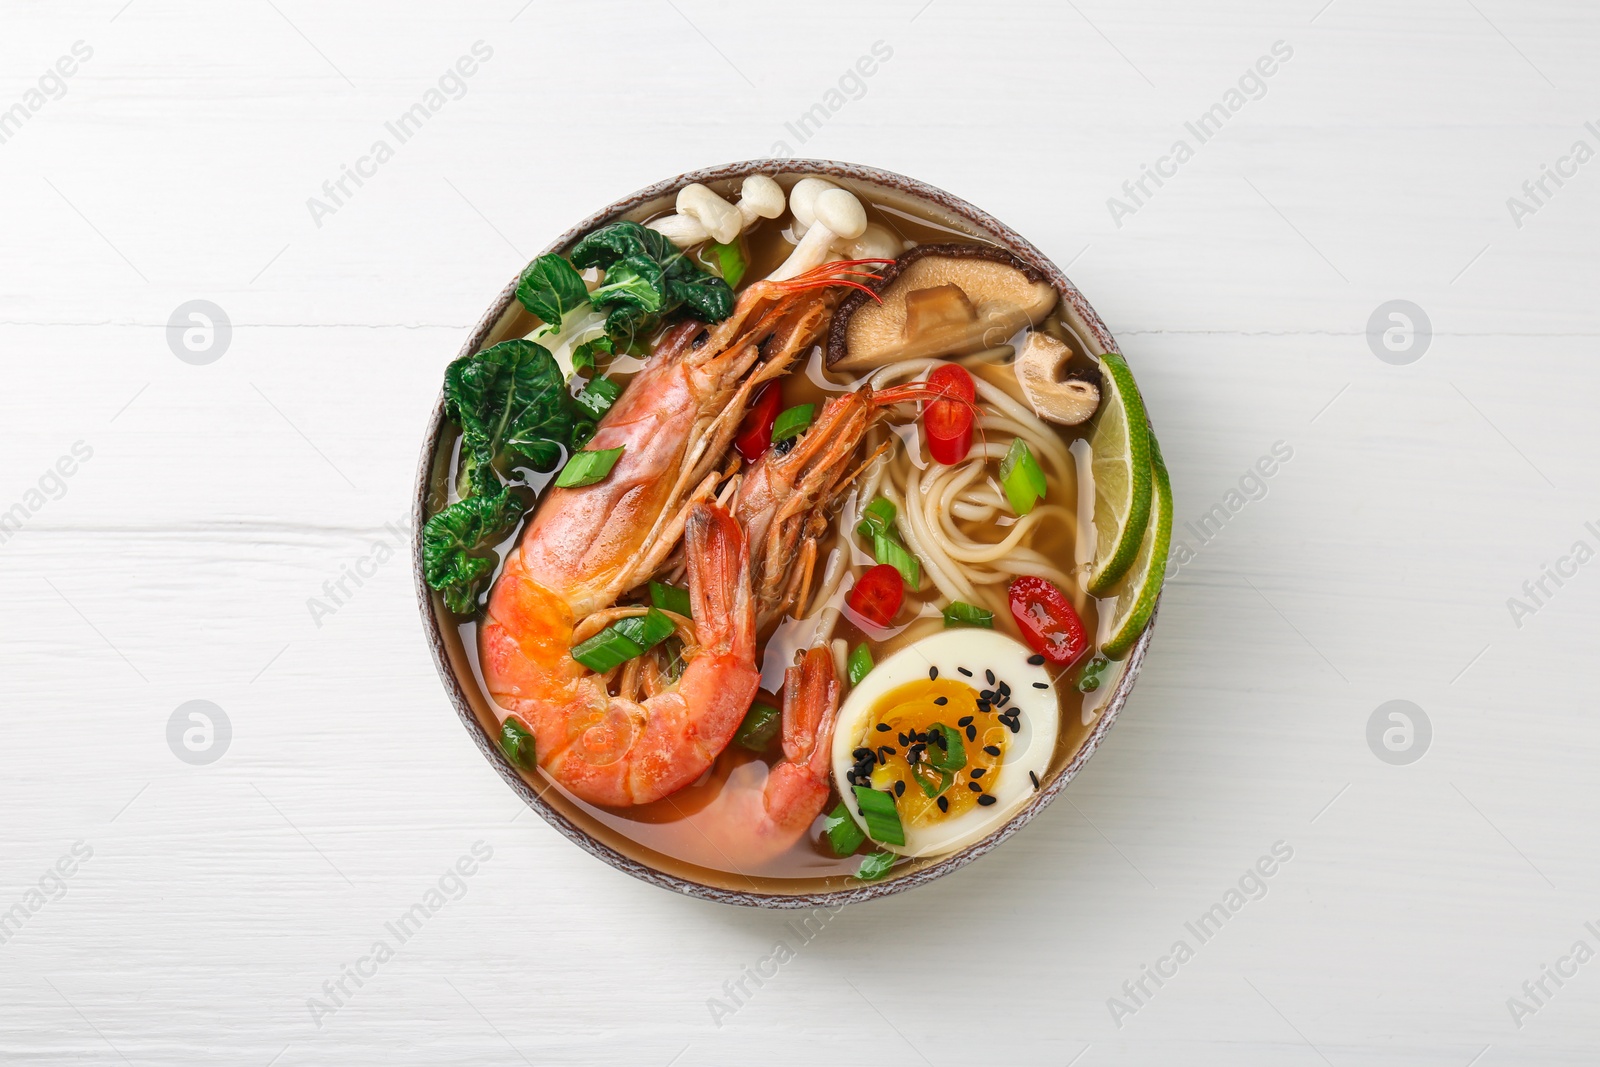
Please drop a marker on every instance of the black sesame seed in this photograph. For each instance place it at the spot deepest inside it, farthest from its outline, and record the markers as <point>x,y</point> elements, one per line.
<point>988,676</point>
<point>986,800</point>
<point>975,787</point>
<point>1005,690</point>
<point>942,741</point>
<point>965,720</point>
<point>904,739</point>
<point>1036,660</point>
<point>933,674</point>
<point>884,752</point>
<point>1041,685</point>
<point>987,696</point>
<point>883,727</point>
<point>993,750</point>
<point>1035,779</point>
<point>899,789</point>
<point>1015,726</point>
<point>850,776</point>
<point>972,733</point>
<point>941,701</point>
<point>861,753</point>
<point>977,772</point>
<point>964,671</point>
<point>944,803</point>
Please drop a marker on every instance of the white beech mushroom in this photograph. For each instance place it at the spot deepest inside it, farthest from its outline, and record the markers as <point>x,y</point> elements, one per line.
<point>802,201</point>
<point>759,198</point>
<point>681,230</point>
<point>1052,395</point>
<point>721,219</point>
<point>877,242</point>
<point>835,214</point>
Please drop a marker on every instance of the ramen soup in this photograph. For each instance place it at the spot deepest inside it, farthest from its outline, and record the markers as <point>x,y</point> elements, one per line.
<point>769,529</point>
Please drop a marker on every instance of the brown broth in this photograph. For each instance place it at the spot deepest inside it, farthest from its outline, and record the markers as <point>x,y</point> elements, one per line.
<point>662,834</point>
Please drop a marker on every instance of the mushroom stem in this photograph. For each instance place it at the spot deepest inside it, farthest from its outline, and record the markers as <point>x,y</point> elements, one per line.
<point>681,230</point>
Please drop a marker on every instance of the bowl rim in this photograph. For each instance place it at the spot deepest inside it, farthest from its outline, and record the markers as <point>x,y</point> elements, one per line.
<point>430,604</point>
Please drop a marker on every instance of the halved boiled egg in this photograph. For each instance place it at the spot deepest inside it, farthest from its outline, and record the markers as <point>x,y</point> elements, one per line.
<point>951,727</point>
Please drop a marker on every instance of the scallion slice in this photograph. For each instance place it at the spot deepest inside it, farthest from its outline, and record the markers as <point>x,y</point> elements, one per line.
<point>876,518</point>
<point>1022,477</point>
<point>885,549</point>
<point>517,743</point>
<point>951,754</point>
<point>875,866</point>
<point>622,641</point>
<point>670,598</point>
<point>926,780</point>
<point>883,821</point>
<point>760,727</point>
<point>730,263</point>
<point>859,664</point>
<point>844,834</point>
<point>586,468</point>
<point>963,614</point>
<point>1089,678</point>
<point>792,422</point>
<point>598,396</point>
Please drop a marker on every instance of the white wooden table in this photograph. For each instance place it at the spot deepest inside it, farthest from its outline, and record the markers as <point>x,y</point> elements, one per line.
<point>211,908</point>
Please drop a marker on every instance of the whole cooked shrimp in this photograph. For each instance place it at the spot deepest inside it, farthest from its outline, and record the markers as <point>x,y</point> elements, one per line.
<point>587,546</point>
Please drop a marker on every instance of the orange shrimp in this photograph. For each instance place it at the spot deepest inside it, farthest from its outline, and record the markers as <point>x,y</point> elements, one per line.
<point>587,546</point>
<point>756,820</point>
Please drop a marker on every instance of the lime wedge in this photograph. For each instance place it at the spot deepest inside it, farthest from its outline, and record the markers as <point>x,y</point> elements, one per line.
<point>1119,441</point>
<point>1136,597</point>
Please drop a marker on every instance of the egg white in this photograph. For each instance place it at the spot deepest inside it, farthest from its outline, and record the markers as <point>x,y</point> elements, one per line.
<point>1027,750</point>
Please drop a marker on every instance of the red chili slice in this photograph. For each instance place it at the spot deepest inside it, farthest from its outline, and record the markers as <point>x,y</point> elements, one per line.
<point>755,432</point>
<point>876,597</point>
<point>1049,624</point>
<point>949,422</point>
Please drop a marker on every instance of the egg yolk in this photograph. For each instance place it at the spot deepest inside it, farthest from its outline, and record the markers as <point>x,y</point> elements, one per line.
<point>921,771</point>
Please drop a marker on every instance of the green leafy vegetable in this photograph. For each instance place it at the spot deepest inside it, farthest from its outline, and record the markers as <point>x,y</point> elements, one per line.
<point>961,613</point>
<point>760,727</point>
<point>707,296</point>
<point>945,752</point>
<point>1022,477</point>
<point>844,834</point>
<point>623,640</point>
<point>584,356</point>
<point>792,422</point>
<point>875,866</point>
<point>517,743</point>
<point>859,664</point>
<point>550,288</point>
<point>678,280</point>
<point>512,405</point>
<point>670,598</point>
<point>636,282</point>
<point>586,468</point>
<point>455,546</point>
<point>619,240</point>
<point>883,821</point>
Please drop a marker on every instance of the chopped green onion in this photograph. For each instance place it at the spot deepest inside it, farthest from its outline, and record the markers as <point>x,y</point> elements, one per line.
<point>672,652</point>
<point>921,775</point>
<point>1090,677</point>
<point>859,664</point>
<point>886,549</point>
<point>963,614</point>
<point>598,396</point>
<point>876,518</point>
<point>883,821</point>
<point>670,598</point>
<point>1022,477</point>
<point>875,866</point>
<point>517,743</point>
<point>729,262</point>
<point>586,468</point>
<point>792,421</point>
<point>760,727</point>
<point>948,755</point>
<point>623,640</point>
<point>844,834</point>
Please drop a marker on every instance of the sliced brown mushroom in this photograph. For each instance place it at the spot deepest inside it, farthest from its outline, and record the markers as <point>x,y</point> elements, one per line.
<point>1053,395</point>
<point>939,300</point>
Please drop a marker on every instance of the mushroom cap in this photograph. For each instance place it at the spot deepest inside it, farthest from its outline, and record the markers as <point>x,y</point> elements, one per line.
<point>841,213</point>
<point>760,197</point>
<point>980,297</point>
<point>803,197</point>
<point>720,218</point>
<point>1054,396</point>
